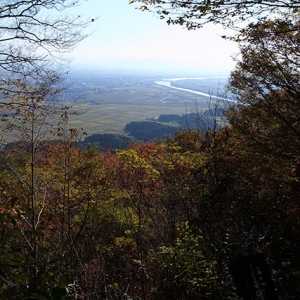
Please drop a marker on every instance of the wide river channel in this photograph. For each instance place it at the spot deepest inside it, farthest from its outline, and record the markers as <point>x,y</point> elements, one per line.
<point>167,83</point>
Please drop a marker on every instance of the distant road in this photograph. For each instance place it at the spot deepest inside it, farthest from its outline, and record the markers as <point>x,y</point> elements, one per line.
<point>163,99</point>
<point>167,83</point>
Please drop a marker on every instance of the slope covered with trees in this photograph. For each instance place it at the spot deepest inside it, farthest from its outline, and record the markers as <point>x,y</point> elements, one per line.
<point>158,220</point>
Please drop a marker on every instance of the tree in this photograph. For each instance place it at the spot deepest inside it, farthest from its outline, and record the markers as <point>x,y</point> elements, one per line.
<point>33,37</point>
<point>31,120</point>
<point>266,117</point>
<point>194,14</point>
<point>34,34</point>
<point>266,85</point>
<point>183,270</point>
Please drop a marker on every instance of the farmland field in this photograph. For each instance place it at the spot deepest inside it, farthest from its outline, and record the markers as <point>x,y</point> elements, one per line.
<point>108,101</point>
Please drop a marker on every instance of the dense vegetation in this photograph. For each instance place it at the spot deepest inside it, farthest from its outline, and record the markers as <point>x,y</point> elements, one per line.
<point>105,142</point>
<point>158,220</point>
<point>162,219</point>
<point>167,125</point>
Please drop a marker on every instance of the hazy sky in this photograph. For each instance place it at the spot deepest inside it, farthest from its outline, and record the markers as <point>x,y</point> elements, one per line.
<point>124,37</point>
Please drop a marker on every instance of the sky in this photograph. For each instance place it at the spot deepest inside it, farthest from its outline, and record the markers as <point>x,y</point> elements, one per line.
<point>123,37</point>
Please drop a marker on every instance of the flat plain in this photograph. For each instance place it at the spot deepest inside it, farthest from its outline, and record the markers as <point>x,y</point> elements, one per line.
<point>107,101</point>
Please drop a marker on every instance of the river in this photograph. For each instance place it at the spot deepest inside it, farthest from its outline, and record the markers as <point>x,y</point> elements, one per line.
<point>167,83</point>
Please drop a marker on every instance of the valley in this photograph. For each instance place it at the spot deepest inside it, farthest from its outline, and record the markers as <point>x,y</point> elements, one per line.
<point>105,101</point>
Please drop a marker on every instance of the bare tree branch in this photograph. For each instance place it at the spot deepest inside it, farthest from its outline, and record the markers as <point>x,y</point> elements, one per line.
<point>194,14</point>
<point>34,35</point>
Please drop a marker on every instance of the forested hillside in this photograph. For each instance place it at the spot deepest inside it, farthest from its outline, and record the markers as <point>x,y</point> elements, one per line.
<point>146,131</point>
<point>161,219</point>
<point>158,220</point>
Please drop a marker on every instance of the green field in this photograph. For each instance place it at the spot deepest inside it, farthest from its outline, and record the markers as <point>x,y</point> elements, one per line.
<point>103,113</point>
<point>105,103</point>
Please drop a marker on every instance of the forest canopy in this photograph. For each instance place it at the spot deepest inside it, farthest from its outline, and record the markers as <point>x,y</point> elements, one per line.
<point>163,219</point>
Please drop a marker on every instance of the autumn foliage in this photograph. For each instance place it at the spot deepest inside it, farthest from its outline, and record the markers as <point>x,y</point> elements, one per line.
<point>159,220</point>
<point>156,221</point>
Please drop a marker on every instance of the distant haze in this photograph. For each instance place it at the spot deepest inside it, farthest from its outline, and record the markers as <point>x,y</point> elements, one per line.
<point>153,67</point>
<point>125,38</point>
